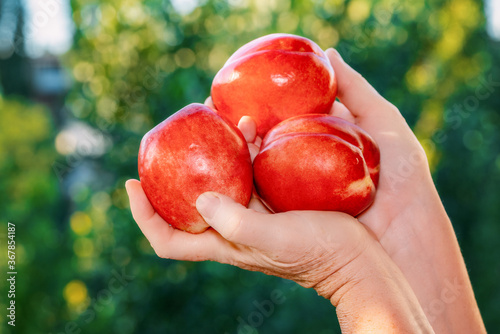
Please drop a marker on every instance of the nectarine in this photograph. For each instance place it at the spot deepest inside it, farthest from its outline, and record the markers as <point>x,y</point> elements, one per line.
<point>317,162</point>
<point>191,152</point>
<point>274,78</point>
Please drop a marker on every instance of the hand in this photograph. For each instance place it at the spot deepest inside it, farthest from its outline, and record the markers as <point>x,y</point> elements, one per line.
<point>287,245</point>
<point>328,251</point>
<point>407,216</point>
<point>420,241</point>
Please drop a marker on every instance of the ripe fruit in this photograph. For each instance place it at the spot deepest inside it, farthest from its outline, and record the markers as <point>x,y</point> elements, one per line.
<point>191,152</point>
<point>317,162</point>
<point>274,78</point>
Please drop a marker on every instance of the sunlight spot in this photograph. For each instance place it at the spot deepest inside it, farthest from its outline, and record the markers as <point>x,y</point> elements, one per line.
<point>75,293</point>
<point>80,223</point>
<point>358,10</point>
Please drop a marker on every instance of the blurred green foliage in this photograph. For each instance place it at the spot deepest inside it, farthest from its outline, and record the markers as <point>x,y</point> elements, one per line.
<point>84,265</point>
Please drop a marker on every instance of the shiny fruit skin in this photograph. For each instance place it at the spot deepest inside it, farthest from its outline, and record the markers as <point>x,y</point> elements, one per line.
<point>193,151</point>
<point>274,78</point>
<point>317,162</point>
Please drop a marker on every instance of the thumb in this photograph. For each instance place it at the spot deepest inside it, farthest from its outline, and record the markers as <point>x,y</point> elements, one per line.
<point>232,220</point>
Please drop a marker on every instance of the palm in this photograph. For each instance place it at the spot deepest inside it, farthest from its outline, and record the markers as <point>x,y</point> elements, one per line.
<point>404,170</point>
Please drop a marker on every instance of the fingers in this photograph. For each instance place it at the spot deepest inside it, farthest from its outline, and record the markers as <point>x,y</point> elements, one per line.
<point>167,241</point>
<point>258,142</point>
<point>257,204</point>
<point>340,110</point>
<point>154,228</point>
<point>235,222</point>
<point>141,209</point>
<point>209,102</point>
<point>248,127</point>
<point>360,98</point>
<point>254,150</point>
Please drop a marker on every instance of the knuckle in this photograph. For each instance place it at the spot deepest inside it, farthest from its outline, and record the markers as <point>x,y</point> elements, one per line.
<point>160,250</point>
<point>233,226</point>
<point>157,251</point>
<point>394,110</point>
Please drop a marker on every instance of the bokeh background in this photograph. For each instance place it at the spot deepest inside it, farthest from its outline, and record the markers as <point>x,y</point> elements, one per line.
<point>81,82</point>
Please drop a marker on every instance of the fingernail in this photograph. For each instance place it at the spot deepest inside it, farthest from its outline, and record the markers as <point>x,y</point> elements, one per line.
<point>207,204</point>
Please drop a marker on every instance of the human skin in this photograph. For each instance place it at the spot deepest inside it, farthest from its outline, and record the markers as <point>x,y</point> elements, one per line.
<point>404,249</point>
<point>407,216</point>
<point>328,251</point>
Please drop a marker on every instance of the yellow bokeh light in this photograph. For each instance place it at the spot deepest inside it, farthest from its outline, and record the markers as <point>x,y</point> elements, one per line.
<point>83,247</point>
<point>288,22</point>
<point>214,24</point>
<point>430,119</point>
<point>101,200</point>
<point>132,13</point>
<point>80,223</point>
<point>466,12</point>
<point>421,78</point>
<point>167,64</point>
<point>83,71</point>
<point>108,15</point>
<point>312,26</point>
<point>433,155</point>
<point>265,5</point>
<point>65,143</point>
<point>106,107</point>
<point>408,11</point>
<point>261,20</point>
<point>451,42</point>
<point>184,58</point>
<point>96,87</point>
<point>358,10</point>
<point>333,6</point>
<point>217,57</point>
<point>236,23</point>
<point>75,293</point>
<point>327,37</point>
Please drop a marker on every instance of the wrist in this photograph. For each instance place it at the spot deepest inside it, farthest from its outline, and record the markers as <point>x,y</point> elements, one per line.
<point>373,296</point>
<point>432,262</point>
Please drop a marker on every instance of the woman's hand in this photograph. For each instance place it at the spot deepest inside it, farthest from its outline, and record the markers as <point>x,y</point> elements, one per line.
<point>333,252</point>
<point>306,247</point>
<point>407,216</point>
<point>328,251</point>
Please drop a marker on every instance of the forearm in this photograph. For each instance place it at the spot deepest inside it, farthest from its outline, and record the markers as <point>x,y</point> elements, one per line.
<point>376,298</point>
<point>437,272</point>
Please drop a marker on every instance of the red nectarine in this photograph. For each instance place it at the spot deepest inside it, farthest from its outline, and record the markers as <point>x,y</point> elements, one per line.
<point>317,162</point>
<point>274,78</point>
<point>191,152</point>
